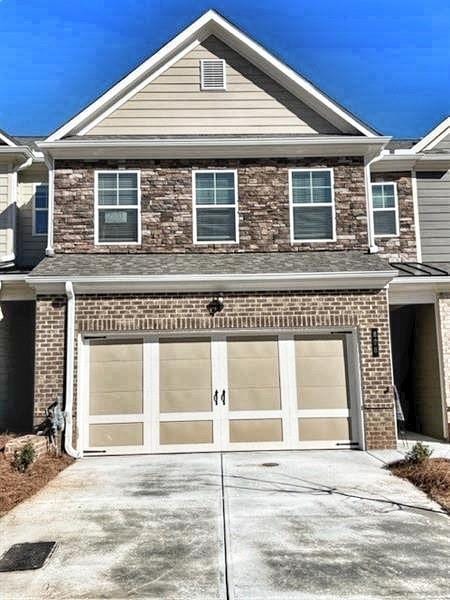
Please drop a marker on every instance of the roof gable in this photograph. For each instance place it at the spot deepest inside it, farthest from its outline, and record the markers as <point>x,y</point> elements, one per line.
<point>174,102</point>
<point>6,140</point>
<point>437,139</point>
<point>212,24</point>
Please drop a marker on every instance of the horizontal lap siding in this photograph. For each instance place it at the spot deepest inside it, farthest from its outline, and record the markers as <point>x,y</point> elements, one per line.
<point>434,212</point>
<point>174,103</point>
<point>31,248</point>
<point>5,217</point>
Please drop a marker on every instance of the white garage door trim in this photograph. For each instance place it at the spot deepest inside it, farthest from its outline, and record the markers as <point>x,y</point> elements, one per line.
<point>289,411</point>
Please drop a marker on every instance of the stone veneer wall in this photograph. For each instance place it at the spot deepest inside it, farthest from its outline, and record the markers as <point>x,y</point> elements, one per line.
<point>403,247</point>
<point>363,309</point>
<point>444,317</point>
<point>166,205</point>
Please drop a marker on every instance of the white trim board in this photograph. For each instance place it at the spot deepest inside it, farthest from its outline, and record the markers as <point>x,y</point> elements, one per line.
<point>211,23</point>
<point>433,137</point>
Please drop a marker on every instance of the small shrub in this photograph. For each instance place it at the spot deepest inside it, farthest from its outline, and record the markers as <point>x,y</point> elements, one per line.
<point>418,453</point>
<point>24,457</point>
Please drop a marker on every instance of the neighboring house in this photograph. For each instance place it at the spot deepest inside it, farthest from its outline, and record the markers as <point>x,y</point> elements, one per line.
<point>218,274</point>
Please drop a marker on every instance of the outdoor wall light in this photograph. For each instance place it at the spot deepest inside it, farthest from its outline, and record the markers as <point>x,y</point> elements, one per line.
<point>216,305</point>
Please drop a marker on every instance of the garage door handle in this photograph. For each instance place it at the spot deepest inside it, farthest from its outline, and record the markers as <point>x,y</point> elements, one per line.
<point>223,397</point>
<point>216,397</point>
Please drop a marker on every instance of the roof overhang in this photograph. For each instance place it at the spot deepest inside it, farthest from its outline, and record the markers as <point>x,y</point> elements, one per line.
<point>417,290</point>
<point>216,147</point>
<point>213,282</point>
<point>15,154</point>
<point>433,138</point>
<point>407,160</point>
<point>211,23</point>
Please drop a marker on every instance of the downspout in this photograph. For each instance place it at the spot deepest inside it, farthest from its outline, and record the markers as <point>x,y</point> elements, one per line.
<point>373,248</point>
<point>49,251</point>
<point>70,347</point>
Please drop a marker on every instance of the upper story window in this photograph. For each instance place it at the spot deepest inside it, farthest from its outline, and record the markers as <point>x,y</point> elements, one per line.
<point>312,205</point>
<point>385,209</point>
<point>117,207</point>
<point>215,207</point>
<point>213,74</point>
<point>40,209</point>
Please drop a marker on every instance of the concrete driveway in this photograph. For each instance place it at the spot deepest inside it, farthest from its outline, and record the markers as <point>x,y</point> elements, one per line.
<point>328,525</point>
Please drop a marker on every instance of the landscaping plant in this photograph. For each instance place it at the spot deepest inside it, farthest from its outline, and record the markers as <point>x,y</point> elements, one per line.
<point>418,453</point>
<point>24,457</point>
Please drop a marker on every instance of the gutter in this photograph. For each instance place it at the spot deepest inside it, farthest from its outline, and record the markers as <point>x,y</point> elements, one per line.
<point>217,282</point>
<point>70,344</point>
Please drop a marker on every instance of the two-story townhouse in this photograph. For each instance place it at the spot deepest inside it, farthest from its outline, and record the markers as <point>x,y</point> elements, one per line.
<point>23,239</point>
<point>217,271</point>
<point>419,297</point>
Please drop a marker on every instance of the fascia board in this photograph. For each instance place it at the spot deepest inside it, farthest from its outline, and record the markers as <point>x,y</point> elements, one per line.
<point>219,282</point>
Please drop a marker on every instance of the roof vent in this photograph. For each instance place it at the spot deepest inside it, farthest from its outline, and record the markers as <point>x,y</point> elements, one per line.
<point>213,74</point>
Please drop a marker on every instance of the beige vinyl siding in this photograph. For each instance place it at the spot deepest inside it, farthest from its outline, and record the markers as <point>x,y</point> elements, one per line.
<point>174,103</point>
<point>31,249</point>
<point>5,213</point>
<point>434,215</point>
<point>442,146</point>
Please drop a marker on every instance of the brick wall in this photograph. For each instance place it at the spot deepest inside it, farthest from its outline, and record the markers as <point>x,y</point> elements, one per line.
<point>166,199</point>
<point>163,312</point>
<point>403,247</point>
<point>444,317</point>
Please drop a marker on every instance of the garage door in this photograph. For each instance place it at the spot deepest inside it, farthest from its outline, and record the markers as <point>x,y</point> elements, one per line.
<point>221,392</point>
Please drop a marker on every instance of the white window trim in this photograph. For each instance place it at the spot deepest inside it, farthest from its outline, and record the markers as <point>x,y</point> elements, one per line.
<point>213,89</point>
<point>98,206</point>
<point>194,208</point>
<point>35,209</point>
<point>374,210</point>
<point>292,205</point>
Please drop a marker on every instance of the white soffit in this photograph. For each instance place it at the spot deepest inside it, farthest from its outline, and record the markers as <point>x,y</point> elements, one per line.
<point>211,23</point>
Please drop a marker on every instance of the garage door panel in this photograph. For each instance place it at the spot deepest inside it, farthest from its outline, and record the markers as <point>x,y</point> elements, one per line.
<point>185,374</point>
<point>185,348</point>
<point>189,400</point>
<point>111,376</point>
<point>186,432</point>
<point>116,434</point>
<point>252,347</point>
<point>115,350</point>
<point>320,397</point>
<point>116,403</point>
<point>323,429</point>
<point>255,399</point>
<point>257,372</point>
<point>256,430</point>
<point>319,347</point>
<point>323,371</point>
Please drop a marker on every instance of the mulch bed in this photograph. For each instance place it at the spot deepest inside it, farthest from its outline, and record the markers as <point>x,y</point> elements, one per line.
<point>432,476</point>
<point>16,487</point>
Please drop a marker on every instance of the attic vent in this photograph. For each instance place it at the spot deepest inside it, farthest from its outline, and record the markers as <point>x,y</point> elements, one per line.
<point>213,74</point>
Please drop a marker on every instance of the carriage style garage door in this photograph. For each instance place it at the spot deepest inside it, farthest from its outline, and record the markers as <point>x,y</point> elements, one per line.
<point>221,392</point>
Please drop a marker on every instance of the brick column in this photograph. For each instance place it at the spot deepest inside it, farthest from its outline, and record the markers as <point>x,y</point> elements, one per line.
<point>50,352</point>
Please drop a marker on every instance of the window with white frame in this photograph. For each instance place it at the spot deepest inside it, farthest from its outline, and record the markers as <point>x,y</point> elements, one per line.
<point>312,205</point>
<point>40,209</point>
<point>385,209</point>
<point>117,207</point>
<point>213,74</point>
<point>215,207</point>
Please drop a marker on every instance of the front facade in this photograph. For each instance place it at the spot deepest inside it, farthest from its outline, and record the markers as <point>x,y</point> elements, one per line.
<point>221,242</point>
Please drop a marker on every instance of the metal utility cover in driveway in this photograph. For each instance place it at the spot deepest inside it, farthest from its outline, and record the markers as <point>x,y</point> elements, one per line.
<point>23,557</point>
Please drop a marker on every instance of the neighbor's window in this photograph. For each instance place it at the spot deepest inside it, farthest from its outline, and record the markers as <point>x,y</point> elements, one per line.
<point>312,205</point>
<point>215,206</point>
<point>384,202</point>
<point>117,202</point>
<point>40,209</point>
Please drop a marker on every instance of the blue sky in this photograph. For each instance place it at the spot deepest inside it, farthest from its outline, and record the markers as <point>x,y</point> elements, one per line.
<point>387,61</point>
